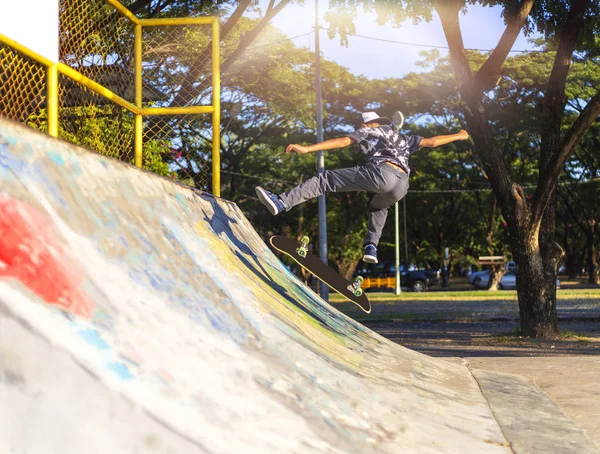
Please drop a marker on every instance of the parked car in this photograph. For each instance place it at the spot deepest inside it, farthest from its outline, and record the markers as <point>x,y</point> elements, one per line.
<point>471,277</point>
<point>511,267</point>
<point>507,282</point>
<point>382,275</point>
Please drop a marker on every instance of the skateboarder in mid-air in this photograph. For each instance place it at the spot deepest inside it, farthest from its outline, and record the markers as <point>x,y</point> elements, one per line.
<point>384,172</point>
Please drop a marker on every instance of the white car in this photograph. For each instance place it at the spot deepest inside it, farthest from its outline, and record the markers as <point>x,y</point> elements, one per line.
<point>507,282</point>
<point>511,267</point>
<point>471,277</point>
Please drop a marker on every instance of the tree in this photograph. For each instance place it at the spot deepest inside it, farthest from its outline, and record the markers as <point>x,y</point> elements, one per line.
<point>531,222</point>
<point>578,206</point>
<point>189,90</point>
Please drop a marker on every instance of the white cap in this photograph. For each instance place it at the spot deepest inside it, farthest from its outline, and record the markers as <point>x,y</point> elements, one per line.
<point>369,117</point>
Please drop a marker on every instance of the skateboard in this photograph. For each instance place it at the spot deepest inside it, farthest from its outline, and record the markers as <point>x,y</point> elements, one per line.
<point>299,252</point>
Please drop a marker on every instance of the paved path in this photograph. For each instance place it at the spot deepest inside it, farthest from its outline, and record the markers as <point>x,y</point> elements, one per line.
<point>563,374</point>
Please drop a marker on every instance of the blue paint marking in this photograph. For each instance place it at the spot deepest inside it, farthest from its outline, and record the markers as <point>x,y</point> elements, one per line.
<point>9,161</point>
<point>56,158</point>
<point>225,324</point>
<point>110,220</point>
<point>121,370</point>
<point>50,187</point>
<point>181,200</point>
<point>74,167</point>
<point>146,247</point>
<point>135,275</point>
<point>73,163</point>
<point>158,283</point>
<point>92,337</point>
<point>102,319</point>
<point>172,240</point>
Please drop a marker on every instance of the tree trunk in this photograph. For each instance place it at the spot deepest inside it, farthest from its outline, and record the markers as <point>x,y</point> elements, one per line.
<point>496,271</point>
<point>596,268</point>
<point>496,274</point>
<point>535,289</point>
<point>573,254</point>
<point>590,251</point>
<point>537,301</point>
<point>533,246</point>
<point>347,269</point>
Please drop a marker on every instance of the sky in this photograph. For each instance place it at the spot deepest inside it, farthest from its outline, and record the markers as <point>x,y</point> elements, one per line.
<point>35,31</point>
<point>482,27</point>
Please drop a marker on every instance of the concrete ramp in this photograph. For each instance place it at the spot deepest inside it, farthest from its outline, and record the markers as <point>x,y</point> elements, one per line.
<point>137,315</point>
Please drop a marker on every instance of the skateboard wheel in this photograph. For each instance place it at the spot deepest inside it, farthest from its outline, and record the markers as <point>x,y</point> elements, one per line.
<point>302,250</point>
<point>358,292</point>
<point>359,280</point>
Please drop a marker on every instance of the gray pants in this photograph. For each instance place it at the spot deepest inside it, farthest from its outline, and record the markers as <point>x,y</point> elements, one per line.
<point>388,183</point>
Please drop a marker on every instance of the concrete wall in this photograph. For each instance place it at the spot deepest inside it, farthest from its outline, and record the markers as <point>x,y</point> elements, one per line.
<point>137,315</point>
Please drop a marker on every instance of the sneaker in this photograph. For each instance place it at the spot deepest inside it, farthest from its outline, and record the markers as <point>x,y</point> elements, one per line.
<point>270,200</point>
<point>370,255</point>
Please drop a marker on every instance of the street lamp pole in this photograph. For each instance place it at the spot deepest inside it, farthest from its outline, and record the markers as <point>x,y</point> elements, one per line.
<point>397,216</point>
<point>324,290</point>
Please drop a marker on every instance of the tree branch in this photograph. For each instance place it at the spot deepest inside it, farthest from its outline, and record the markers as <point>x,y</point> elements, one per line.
<point>487,74</point>
<point>549,179</point>
<point>138,5</point>
<point>448,12</point>
<point>491,158</point>
<point>186,93</point>
<point>249,37</point>
<point>553,153</point>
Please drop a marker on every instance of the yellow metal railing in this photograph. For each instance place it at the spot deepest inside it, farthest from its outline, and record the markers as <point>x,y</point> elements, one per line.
<point>134,106</point>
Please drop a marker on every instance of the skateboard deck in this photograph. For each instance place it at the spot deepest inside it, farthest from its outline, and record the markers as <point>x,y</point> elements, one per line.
<point>314,265</point>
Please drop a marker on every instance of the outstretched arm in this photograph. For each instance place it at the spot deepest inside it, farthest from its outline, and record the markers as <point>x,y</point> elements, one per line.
<point>330,144</point>
<point>436,141</point>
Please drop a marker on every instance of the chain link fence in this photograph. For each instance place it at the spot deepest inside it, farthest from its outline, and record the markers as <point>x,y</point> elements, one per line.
<point>92,121</point>
<point>22,88</point>
<point>98,40</point>
<point>177,72</point>
<point>186,139</point>
<point>177,65</point>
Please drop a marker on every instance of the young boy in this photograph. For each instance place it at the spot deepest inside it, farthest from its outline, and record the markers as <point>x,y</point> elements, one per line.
<point>384,172</point>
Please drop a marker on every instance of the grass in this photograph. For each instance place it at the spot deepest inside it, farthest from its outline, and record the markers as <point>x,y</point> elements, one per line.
<point>515,334</point>
<point>566,334</point>
<point>466,295</point>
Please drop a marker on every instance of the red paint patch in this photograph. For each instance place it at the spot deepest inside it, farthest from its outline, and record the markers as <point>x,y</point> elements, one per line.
<point>31,253</point>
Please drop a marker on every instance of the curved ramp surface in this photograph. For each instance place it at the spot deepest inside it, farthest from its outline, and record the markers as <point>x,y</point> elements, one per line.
<point>137,315</point>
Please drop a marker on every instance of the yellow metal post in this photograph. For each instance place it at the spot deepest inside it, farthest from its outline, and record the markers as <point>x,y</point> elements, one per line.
<point>139,129</point>
<point>186,110</point>
<point>216,116</point>
<point>52,99</point>
<point>123,11</point>
<point>177,21</point>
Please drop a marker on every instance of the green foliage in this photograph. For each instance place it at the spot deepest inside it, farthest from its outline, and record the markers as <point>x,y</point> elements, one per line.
<point>153,159</point>
<point>107,130</point>
<point>110,135</point>
<point>547,17</point>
